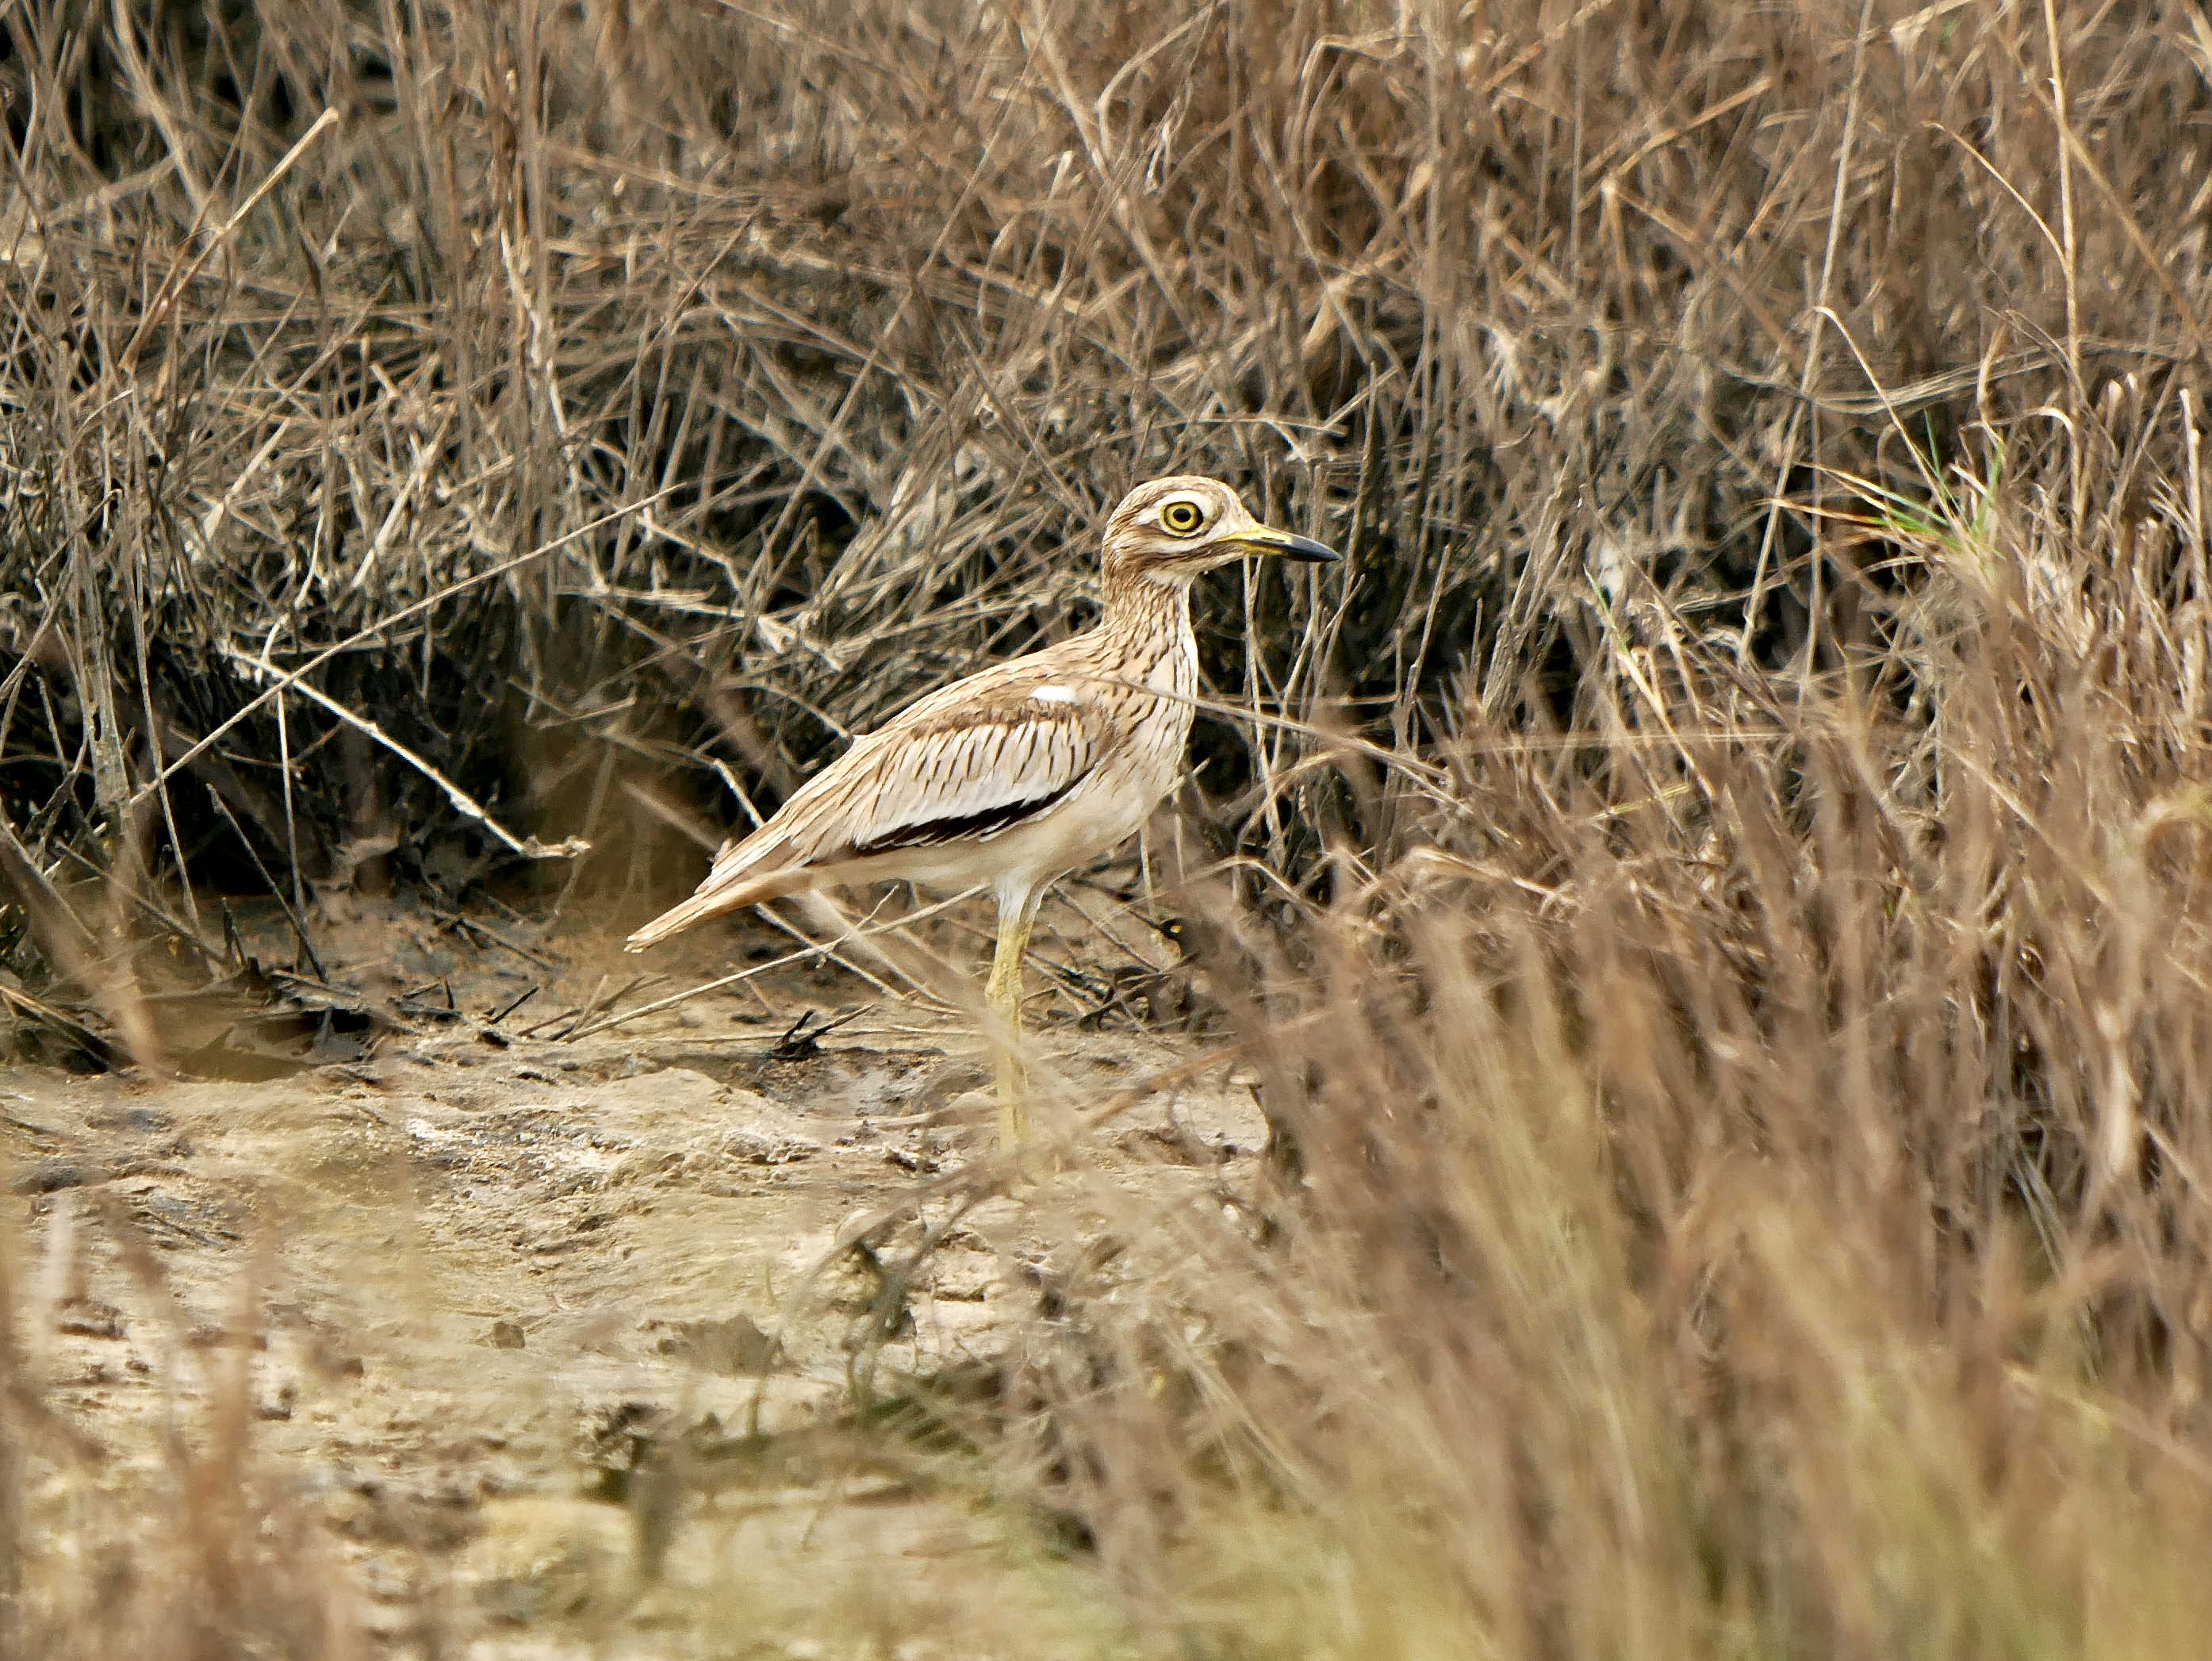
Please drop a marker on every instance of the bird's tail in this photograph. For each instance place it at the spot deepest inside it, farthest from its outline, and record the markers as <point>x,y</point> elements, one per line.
<point>714,897</point>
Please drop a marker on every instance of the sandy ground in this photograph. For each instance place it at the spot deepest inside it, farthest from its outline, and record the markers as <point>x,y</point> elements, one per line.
<point>478,1281</point>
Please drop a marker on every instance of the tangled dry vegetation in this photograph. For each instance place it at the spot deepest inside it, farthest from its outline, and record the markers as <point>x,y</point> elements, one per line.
<point>1721,876</point>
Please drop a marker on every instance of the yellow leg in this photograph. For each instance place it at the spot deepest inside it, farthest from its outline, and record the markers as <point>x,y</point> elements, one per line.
<point>1004,995</point>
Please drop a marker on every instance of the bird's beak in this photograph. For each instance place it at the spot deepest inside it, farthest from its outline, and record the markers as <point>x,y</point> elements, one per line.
<point>1263,540</point>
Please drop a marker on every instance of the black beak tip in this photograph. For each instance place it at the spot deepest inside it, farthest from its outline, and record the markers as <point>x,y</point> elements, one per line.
<point>1306,551</point>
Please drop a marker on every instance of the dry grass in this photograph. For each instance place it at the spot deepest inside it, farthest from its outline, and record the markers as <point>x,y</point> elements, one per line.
<point>1727,913</point>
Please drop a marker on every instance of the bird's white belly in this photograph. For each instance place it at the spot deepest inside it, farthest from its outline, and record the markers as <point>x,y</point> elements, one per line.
<point>1113,804</point>
<point>1107,808</point>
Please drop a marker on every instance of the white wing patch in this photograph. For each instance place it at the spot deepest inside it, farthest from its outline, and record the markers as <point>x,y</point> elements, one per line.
<point>1053,695</point>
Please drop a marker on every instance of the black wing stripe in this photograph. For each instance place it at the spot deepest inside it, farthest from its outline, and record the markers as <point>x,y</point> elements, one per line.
<point>930,833</point>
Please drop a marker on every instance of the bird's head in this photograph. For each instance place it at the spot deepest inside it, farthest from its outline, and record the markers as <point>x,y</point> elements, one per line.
<point>1172,529</point>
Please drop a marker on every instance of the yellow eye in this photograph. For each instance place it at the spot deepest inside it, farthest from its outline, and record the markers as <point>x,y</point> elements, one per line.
<point>1182,517</point>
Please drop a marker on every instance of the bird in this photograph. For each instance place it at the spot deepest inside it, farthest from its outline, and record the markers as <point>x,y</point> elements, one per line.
<point>1016,775</point>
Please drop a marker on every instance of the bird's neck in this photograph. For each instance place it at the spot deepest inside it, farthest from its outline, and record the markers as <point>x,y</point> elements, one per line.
<point>1140,607</point>
<point>1146,637</point>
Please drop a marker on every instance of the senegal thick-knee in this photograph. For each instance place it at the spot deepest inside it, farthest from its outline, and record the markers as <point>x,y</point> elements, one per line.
<point>1016,775</point>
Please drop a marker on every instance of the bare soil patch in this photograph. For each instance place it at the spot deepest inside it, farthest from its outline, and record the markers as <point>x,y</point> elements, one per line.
<point>517,1316</point>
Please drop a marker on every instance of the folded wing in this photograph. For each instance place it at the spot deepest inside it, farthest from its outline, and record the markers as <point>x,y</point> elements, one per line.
<point>964,777</point>
<point>933,777</point>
